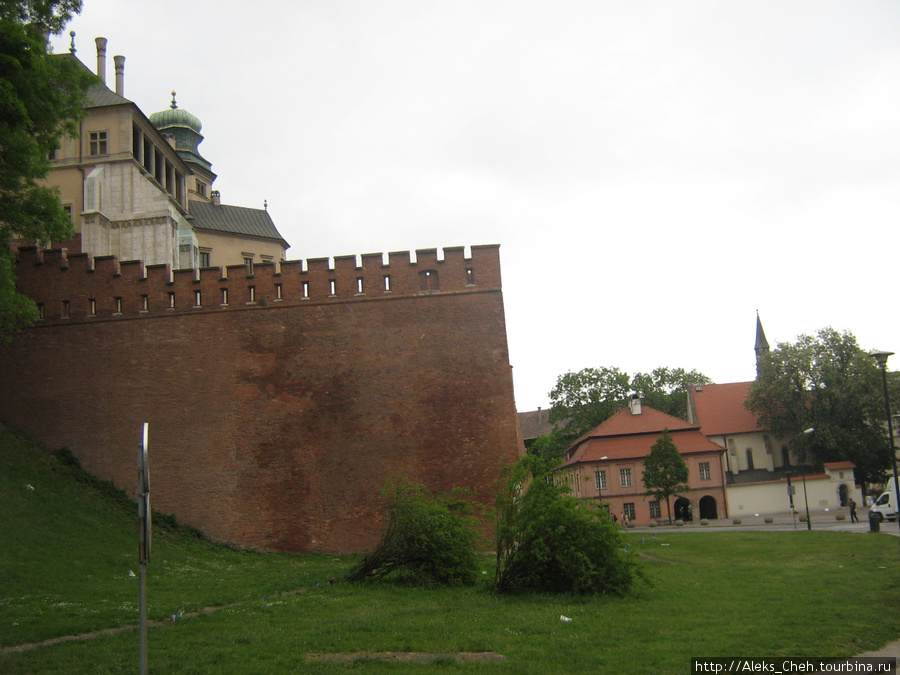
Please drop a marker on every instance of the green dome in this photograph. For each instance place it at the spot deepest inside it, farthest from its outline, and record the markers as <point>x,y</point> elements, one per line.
<point>175,117</point>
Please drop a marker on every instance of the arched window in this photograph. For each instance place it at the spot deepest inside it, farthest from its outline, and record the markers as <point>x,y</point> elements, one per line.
<point>749,459</point>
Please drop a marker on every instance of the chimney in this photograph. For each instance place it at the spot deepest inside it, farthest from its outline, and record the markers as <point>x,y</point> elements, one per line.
<point>216,198</point>
<point>120,75</point>
<point>635,404</point>
<point>101,58</point>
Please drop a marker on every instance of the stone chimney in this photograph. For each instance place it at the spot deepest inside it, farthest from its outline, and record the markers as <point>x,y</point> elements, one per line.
<point>101,58</point>
<point>216,198</point>
<point>120,75</point>
<point>635,404</point>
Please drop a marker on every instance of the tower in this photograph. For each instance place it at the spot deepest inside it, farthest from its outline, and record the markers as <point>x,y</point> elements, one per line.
<point>762,345</point>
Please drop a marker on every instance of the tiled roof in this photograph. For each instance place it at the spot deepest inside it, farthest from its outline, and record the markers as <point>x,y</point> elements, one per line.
<point>638,446</point>
<point>535,423</point>
<point>719,408</point>
<point>98,94</point>
<point>837,466</point>
<point>234,220</point>
<point>628,436</point>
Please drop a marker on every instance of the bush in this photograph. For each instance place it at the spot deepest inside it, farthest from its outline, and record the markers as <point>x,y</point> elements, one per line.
<point>428,539</point>
<point>550,541</point>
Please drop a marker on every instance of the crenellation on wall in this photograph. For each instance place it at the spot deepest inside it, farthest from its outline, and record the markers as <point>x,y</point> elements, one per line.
<point>275,426</point>
<point>113,288</point>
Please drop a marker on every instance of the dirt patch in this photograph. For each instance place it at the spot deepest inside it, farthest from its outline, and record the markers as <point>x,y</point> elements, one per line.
<point>400,657</point>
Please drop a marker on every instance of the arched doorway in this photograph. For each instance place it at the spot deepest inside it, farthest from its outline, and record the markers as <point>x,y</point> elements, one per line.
<point>708,508</point>
<point>682,509</point>
<point>842,494</point>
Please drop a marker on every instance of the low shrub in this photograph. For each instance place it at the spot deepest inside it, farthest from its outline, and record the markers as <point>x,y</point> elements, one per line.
<point>549,541</point>
<point>429,539</point>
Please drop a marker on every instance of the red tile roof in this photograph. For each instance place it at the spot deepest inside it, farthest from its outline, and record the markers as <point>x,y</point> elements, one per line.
<point>719,409</point>
<point>629,436</point>
<point>836,466</point>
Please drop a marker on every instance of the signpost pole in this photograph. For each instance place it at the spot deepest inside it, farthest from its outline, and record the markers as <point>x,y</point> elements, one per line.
<point>144,532</point>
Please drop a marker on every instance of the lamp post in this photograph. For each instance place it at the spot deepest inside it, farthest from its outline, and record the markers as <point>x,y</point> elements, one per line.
<point>881,358</point>
<point>803,477</point>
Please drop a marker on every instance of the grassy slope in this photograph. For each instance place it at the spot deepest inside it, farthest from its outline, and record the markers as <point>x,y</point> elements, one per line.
<point>67,551</point>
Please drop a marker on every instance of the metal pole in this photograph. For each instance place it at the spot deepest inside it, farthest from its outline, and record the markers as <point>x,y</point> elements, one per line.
<point>887,407</point>
<point>143,619</point>
<point>808,523</point>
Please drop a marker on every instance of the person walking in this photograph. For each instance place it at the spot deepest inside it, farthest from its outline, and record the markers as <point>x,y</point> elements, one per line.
<point>852,505</point>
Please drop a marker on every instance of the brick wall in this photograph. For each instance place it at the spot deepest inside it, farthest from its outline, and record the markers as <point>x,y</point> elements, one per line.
<point>272,425</point>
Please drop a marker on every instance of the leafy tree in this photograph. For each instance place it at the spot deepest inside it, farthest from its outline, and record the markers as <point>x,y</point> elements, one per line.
<point>666,389</point>
<point>429,539</point>
<point>549,541</point>
<point>581,401</point>
<point>828,383</point>
<point>665,473</point>
<point>42,97</point>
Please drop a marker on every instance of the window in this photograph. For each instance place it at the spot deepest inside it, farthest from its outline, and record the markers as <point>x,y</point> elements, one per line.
<point>118,305</point>
<point>204,258</point>
<point>40,308</point>
<point>387,283</point>
<point>359,286</point>
<point>470,276</point>
<point>655,511</point>
<point>171,300</point>
<point>628,509</point>
<point>625,477</point>
<point>145,303</point>
<point>704,471</point>
<point>97,143</point>
<point>332,287</point>
<point>428,281</point>
<point>65,310</point>
<point>224,296</point>
<point>197,299</point>
<point>92,307</point>
<point>278,295</point>
<point>252,290</point>
<point>749,459</point>
<point>305,290</point>
<point>600,479</point>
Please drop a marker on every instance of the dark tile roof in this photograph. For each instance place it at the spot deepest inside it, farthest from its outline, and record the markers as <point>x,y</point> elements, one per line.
<point>535,423</point>
<point>234,220</point>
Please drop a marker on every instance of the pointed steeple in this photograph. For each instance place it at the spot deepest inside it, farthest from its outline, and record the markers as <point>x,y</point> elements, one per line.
<point>762,345</point>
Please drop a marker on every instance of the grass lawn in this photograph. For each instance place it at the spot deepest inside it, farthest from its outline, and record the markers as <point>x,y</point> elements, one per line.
<point>68,548</point>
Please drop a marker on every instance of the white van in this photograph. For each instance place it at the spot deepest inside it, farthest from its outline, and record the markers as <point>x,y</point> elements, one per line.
<point>885,507</point>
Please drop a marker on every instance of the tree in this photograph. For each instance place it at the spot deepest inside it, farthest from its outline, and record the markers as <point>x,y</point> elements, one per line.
<point>42,97</point>
<point>549,541</point>
<point>581,401</point>
<point>429,538</point>
<point>828,383</point>
<point>665,473</point>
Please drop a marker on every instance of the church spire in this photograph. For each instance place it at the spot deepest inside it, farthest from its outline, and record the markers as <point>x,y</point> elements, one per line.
<point>762,345</point>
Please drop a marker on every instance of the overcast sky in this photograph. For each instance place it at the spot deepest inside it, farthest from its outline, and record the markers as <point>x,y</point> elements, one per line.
<point>655,172</point>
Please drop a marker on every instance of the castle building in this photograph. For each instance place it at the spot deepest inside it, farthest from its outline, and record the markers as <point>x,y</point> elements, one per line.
<point>137,187</point>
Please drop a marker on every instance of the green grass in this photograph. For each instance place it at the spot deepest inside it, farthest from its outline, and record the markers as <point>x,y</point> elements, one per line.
<point>68,545</point>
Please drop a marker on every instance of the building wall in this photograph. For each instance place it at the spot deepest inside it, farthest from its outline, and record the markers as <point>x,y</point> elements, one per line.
<point>274,421</point>
<point>583,484</point>
<point>229,249</point>
<point>769,498</point>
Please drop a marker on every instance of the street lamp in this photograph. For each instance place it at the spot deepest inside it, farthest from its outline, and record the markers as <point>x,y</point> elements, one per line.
<point>881,358</point>
<point>803,477</point>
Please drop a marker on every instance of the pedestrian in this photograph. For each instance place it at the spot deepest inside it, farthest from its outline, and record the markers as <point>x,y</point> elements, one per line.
<point>853,517</point>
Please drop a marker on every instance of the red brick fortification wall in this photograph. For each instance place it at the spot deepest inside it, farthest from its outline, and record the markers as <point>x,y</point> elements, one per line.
<point>271,425</point>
